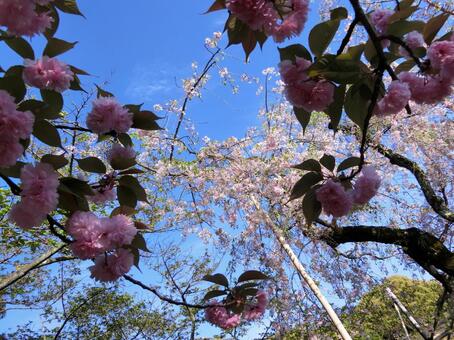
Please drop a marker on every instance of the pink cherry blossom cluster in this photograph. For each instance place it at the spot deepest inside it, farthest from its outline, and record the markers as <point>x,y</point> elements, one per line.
<point>380,19</point>
<point>119,152</point>
<point>395,99</point>
<point>21,17</point>
<point>221,317</point>
<point>39,195</point>
<point>48,73</point>
<point>432,88</point>
<point>14,126</point>
<point>109,268</point>
<point>262,15</point>
<point>93,235</point>
<point>338,202</point>
<point>108,115</point>
<point>413,40</point>
<point>302,91</point>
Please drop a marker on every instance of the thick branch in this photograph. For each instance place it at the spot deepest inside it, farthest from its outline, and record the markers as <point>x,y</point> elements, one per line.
<point>24,270</point>
<point>424,248</point>
<point>437,203</point>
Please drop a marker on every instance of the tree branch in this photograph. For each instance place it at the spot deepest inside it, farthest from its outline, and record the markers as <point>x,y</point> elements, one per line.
<point>437,203</point>
<point>424,248</point>
<point>24,270</point>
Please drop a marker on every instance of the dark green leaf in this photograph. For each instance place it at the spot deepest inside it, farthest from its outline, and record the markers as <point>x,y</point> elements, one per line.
<point>311,207</point>
<point>434,26</point>
<point>293,51</point>
<point>68,6</point>
<point>76,186</point>
<point>56,161</point>
<point>217,279</point>
<point>13,171</point>
<point>213,294</point>
<point>57,46</point>
<point>50,32</point>
<point>133,184</point>
<point>303,117</point>
<point>357,102</point>
<point>402,27</point>
<point>328,162</point>
<point>309,165</point>
<point>304,184</point>
<point>125,139</point>
<point>140,243</point>
<point>14,85</point>
<point>21,47</point>
<point>349,163</point>
<point>252,275</point>
<point>339,13</point>
<point>70,202</point>
<point>334,111</point>
<point>54,104</point>
<point>126,196</point>
<point>47,133</point>
<point>321,36</point>
<point>145,120</point>
<point>92,164</point>
<point>103,93</point>
<point>407,65</point>
<point>216,6</point>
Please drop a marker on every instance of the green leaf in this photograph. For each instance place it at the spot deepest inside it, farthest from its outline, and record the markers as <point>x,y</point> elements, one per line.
<point>13,171</point>
<point>133,184</point>
<point>309,165</point>
<point>70,202</point>
<point>293,51</point>
<point>404,4</point>
<point>218,279</point>
<point>349,163</point>
<point>15,86</point>
<point>328,162</point>
<point>434,26</point>
<point>321,36</point>
<point>92,164</point>
<point>216,6</point>
<point>252,275</point>
<point>57,161</point>
<point>139,243</point>
<point>47,133</point>
<point>123,163</point>
<point>248,292</point>
<point>339,69</point>
<point>404,13</point>
<point>304,184</point>
<point>68,6</point>
<point>123,210</point>
<point>35,106</point>
<point>125,139</point>
<point>76,186</point>
<point>311,207</point>
<point>50,32</point>
<point>126,196</point>
<point>54,101</point>
<point>407,65</point>
<point>21,47</point>
<point>145,120</point>
<point>57,46</point>
<point>303,117</point>
<point>213,294</point>
<point>136,254</point>
<point>357,102</point>
<point>334,111</point>
<point>339,13</point>
<point>402,27</point>
<point>103,93</point>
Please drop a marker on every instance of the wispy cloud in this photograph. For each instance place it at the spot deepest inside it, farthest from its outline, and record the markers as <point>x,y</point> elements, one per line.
<point>150,82</point>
